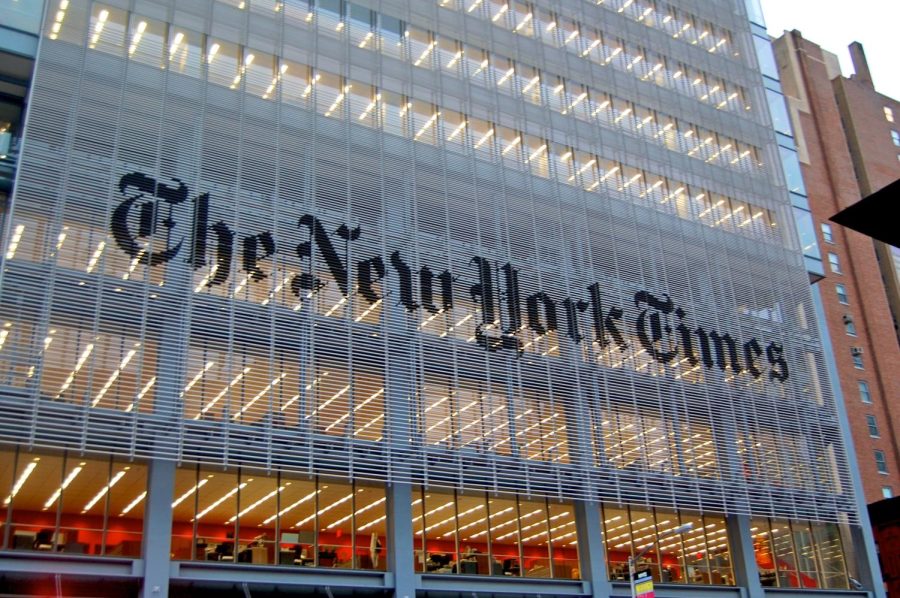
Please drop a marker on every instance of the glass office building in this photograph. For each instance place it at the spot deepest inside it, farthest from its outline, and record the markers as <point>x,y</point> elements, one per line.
<point>445,297</point>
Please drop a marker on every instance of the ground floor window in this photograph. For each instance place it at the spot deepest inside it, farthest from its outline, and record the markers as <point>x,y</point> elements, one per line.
<point>71,503</point>
<point>675,546</point>
<point>243,516</point>
<point>477,533</point>
<point>799,554</point>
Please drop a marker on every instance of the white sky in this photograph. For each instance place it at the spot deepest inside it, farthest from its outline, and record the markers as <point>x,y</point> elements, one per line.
<point>834,24</point>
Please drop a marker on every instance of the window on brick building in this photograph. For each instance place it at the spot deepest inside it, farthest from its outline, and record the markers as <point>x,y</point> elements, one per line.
<point>841,291</point>
<point>895,137</point>
<point>872,424</point>
<point>827,233</point>
<point>887,492</point>
<point>888,114</point>
<point>834,262</point>
<point>856,354</point>
<point>849,325</point>
<point>880,462</point>
<point>864,395</point>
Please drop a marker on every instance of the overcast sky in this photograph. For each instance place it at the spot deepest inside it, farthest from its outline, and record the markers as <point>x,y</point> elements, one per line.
<point>833,24</point>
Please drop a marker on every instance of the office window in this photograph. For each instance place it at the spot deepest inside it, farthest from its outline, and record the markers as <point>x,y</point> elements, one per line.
<point>849,325</point>
<point>881,462</point>
<point>895,137</point>
<point>887,492</point>
<point>888,114</point>
<point>841,291</point>
<point>864,394</point>
<point>473,533</point>
<point>243,516</point>
<point>827,233</point>
<point>834,262</point>
<point>786,551</point>
<point>686,547</point>
<point>66,502</point>
<point>872,424</point>
<point>856,354</point>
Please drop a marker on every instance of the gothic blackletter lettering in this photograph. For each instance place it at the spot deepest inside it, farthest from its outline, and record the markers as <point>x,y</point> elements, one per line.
<point>653,333</point>
<point>135,186</point>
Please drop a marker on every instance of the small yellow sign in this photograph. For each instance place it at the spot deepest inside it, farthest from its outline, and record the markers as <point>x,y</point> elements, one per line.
<point>644,589</point>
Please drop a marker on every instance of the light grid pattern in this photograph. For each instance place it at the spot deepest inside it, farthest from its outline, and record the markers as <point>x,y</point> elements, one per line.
<point>265,234</point>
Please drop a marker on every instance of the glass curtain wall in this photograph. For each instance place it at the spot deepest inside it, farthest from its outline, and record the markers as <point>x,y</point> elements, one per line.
<point>71,503</point>
<point>257,518</point>
<point>799,554</point>
<point>476,533</point>
<point>698,556</point>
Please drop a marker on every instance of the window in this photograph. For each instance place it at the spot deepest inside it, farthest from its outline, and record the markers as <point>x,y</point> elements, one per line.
<point>887,492</point>
<point>888,114</point>
<point>243,516</point>
<point>65,502</point>
<point>841,291</point>
<point>856,354</point>
<point>472,533</point>
<point>872,424</point>
<point>895,137</point>
<point>685,547</point>
<point>881,462</point>
<point>785,554</point>
<point>864,395</point>
<point>834,263</point>
<point>827,233</point>
<point>849,325</point>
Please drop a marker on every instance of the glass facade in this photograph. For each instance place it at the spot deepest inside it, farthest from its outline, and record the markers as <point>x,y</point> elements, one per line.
<point>699,556</point>
<point>473,533</point>
<point>314,271</point>
<point>248,517</point>
<point>70,503</point>
<point>799,554</point>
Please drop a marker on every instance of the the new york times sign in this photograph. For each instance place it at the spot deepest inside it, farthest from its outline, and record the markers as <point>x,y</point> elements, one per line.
<point>148,210</point>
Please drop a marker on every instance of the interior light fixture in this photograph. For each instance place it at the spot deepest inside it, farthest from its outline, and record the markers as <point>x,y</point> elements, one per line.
<point>104,490</point>
<point>56,494</point>
<point>227,495</point>
<point>20,481</point>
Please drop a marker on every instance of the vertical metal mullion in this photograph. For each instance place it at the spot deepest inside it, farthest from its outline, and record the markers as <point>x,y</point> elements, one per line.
<point>4,543</point>
<point>549,536</point>
<point>59,502</point>
<point>682,554</point>
<point>353,558</point>
<point>519,536</point>
<point>490,537</point>
<point>316,547</point>
<point>196,524</point>
<point>840,541</point>
<point>106,500</point>
<point>237,518</point>
<point>277,542</point>
<point>456,528</point>
<point>424,544</point>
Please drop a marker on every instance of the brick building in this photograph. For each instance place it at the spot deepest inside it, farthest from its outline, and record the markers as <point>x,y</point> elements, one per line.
<point>846,149</point>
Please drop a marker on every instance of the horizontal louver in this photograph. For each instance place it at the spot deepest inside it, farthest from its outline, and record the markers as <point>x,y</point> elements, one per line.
<point>230,246</point>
